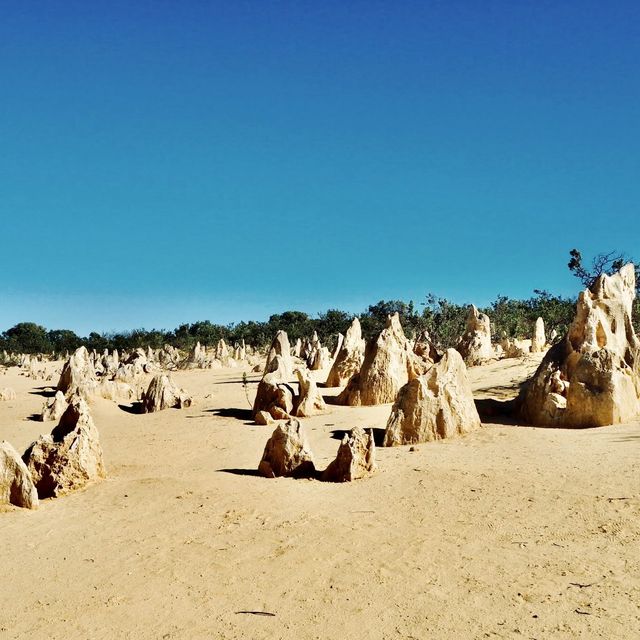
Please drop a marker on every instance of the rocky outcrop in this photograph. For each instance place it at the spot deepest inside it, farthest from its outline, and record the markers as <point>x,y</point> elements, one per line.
<point>434,406</point>
<point>7,394</point>
<point>287,453</point>
<point>163,393</point>
<point>356,458</point>
<point>274,395</point>
<point>78,375</point>
<point>423,355</point>
<point>592,377</point>
<point>16,484</point>
<point>475,344</point>
<point>54,408</point>
<point>514,348</point>
<point>70,457</point>
<point>384,369</point>
<point>280,347</point>
<point>538,340</point>
<point>309,402</point>
<point>349,358</point>
<point>319,359</point>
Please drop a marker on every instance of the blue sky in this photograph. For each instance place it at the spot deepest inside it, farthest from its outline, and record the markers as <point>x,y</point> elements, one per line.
<point>165,162</point>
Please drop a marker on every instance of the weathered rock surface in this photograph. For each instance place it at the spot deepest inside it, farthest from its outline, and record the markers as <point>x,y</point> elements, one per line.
<point>280,347</point>
<point>263,418</point>
<point>16,484</point>
<point>287,453</point>
<point>309,402</point>
<point>423,356</point>
<point>349,357</point>
<point>434,406</point>
<point>384,369</point>
<point>356,458</point>
<point>274,391</point>
<point>538,340</point>
<point>163,393</point>
<point>54,408</point>
<point>7,394</point>
<point>70,457</point>
<point>592,377</point>
<point>475,344</point>
<point>514,347</point>
<point>78,375</point>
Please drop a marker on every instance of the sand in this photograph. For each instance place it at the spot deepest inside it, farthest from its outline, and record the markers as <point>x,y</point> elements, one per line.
<point>510,532</point>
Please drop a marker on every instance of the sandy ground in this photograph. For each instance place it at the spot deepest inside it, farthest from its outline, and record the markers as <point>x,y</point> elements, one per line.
<point>511,532</point>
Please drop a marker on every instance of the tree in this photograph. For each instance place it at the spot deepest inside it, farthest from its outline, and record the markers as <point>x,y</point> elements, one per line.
<point>27,337</point>
<point>607,263</point>
<point>64,340</point>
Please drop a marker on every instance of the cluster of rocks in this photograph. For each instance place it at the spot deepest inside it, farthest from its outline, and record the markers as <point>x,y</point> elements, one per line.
<point>222,355</point>
<point>7,394</point>
<point>65,460</point>
<point>387,364</point>
<point>435,405</point>
<point>592,377</point>
<point>276,398</point>
<point>287,453</point>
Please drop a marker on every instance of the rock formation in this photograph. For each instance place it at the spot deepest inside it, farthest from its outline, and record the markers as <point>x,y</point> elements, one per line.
<point>16,484</point>
<point>349,358</point>
<point>54,408</point>
<point>309,402</point>
<point>319,359</point>
<point>433,406</point>
<point>423,355</point>
<point>384,369</point>
<point>356,458</point>
<point>280,347</point>
<point>287,453</point>
<point>274,391</point>
<point>7,394</point>
<point>163,393</point>
<point>70,457</point>
<point>475,344</point>
<point>538,340</point>
<point>514,348</point>
<point>78,375</point>
<point>592,377</point>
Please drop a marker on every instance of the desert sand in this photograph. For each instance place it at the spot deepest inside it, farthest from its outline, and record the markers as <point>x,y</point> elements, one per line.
<point>508,532</point>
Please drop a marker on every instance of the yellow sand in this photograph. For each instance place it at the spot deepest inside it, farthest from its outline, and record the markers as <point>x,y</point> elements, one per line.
<point>511,532</point>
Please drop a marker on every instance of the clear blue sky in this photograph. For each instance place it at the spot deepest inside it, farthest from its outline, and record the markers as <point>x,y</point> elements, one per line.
<point>166,162</point>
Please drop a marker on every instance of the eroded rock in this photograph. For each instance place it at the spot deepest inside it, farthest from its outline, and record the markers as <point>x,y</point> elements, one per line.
<point>287,453</point>
<point>16,484</point>
<point>356,458</point>
<point>68,458</point>
<point>592,377</point>
<point>434,406</point>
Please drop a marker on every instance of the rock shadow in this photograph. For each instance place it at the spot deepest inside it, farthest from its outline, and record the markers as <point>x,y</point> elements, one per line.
<point>45,392</point>
<point>233,412</point>
<point>241,472</point>
<point>378,434</point>
<point>135,408</point>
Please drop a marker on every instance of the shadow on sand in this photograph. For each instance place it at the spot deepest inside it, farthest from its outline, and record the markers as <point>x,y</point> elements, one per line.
<point>233,412</point>
<point>134,407</point>
<point>378,434</point>
<point>241,472</point>
<point>45,392</point>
